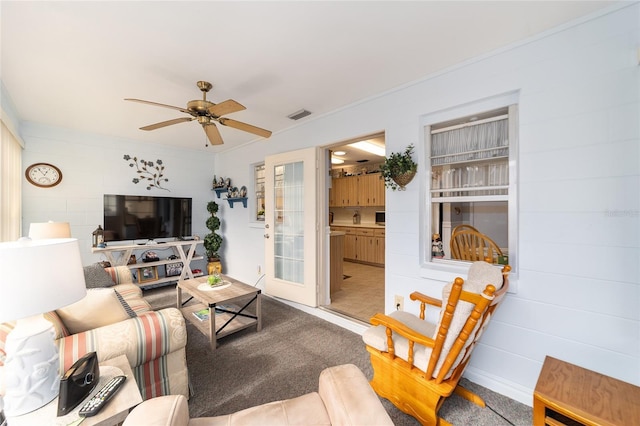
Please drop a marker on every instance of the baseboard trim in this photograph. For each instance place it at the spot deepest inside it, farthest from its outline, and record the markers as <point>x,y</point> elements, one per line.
<point>352,325</point>
<point>500,385</point>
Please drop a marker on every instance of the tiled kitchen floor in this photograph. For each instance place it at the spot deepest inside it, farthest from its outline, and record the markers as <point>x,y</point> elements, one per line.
<point>362,294</point>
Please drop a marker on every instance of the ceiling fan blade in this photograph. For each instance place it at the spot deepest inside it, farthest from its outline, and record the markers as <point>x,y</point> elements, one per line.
<point>160,105</point>
<point>166,123</point>
<point>245,127</point>
<point>213,134</point>
<point>226,107</point>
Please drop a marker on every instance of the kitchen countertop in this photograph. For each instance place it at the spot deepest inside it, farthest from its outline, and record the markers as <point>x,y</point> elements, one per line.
<point>360,225</point>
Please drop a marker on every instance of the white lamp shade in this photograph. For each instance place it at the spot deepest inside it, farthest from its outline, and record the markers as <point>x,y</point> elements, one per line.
<point>39,276</point>
<point>41,231</point>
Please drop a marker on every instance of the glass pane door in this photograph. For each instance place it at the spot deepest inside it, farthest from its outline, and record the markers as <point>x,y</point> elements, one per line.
<point>289,222</point>
<point>291,226</point>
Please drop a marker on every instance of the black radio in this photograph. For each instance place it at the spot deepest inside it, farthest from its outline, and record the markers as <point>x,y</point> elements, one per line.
<point>78,382</point>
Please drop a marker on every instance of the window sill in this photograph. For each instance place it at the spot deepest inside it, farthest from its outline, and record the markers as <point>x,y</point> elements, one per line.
<point>447,270</point>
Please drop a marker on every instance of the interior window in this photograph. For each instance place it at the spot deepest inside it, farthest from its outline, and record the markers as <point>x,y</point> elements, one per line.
<point>258,174</point>
<point>470,188</point>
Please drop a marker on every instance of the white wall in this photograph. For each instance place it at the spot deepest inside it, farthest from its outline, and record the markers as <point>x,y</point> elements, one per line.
<point>93,165</point>
<point>578,280</point>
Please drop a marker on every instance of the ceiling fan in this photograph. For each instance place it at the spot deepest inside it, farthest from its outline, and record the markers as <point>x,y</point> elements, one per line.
<point>207,113</point>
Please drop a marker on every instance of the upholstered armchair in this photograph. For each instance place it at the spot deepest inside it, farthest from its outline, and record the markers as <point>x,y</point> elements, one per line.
<point>417,364</point>
<point>343,398</point>
<point>114,319</point>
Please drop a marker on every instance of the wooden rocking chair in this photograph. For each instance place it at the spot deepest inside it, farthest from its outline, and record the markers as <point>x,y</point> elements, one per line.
<point>417,364</point>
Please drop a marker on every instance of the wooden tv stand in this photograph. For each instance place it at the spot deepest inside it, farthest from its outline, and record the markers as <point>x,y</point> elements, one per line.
<point>119,255</point>
<point>581,395</point>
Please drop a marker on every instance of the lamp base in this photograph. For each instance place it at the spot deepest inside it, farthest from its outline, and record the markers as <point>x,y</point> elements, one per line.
<point>31,366</point>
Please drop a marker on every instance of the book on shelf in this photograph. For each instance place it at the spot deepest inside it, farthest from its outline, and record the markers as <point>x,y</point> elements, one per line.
<point>203,314</point>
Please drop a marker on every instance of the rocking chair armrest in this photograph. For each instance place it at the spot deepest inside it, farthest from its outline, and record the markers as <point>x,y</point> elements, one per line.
<point>401,329</point>
<point>423,298</point>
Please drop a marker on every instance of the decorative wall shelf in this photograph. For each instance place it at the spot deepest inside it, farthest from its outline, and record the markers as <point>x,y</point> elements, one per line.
<point>235,200</point>
<point>220,191</point>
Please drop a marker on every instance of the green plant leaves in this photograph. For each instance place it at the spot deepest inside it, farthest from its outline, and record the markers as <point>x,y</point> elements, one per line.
<point>398,164</point>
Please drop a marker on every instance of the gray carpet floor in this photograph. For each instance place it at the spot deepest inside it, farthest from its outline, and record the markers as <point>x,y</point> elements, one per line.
<point>284,360</point>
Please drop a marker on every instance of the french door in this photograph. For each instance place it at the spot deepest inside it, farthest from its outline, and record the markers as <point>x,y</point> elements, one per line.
<point>291,226</point>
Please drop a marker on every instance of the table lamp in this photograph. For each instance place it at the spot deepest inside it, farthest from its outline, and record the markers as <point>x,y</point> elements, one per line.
<point>45,230</point>
<point>37,276</point>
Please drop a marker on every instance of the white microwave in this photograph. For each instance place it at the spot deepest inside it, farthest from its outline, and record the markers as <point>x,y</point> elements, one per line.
<point>380,218</point>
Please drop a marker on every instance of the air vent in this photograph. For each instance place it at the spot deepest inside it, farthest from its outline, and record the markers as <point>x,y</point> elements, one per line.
<point>299,114</point>
<point>362,161</point>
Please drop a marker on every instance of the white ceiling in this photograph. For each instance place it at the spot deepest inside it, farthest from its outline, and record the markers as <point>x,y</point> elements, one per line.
<point>71,64</point>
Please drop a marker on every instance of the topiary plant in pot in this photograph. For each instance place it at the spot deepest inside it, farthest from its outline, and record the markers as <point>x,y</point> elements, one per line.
<point>399,169</point>
<point>213,241</point>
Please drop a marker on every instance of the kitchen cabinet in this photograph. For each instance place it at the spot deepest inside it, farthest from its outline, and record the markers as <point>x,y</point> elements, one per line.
<point>340,193</point>
<point>361,185</point>
<point>363,245</point>
<point>357,191</point>
<point>349,243</point>
<point>370,190</point>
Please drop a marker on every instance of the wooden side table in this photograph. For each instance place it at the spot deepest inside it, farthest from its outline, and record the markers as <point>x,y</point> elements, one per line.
<point>584,396</point>
<point>113,413</point>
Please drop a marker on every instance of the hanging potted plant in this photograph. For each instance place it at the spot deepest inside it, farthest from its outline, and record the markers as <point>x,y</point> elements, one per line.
<point>399,169</point>
<point>213,241</point>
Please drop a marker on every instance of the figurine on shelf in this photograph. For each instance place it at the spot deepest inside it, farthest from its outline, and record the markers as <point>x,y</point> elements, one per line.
<point>232,193</point>
<point>437,250</point>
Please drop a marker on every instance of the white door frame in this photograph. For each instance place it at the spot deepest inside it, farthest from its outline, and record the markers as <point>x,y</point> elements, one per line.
<point>315,252</point>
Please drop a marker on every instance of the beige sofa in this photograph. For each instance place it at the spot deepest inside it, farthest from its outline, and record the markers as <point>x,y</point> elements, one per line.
<point>121,322</point>
<point>344,397</point>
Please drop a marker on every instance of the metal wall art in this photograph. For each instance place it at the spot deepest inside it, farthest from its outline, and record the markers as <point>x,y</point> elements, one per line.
<point>148,172</point>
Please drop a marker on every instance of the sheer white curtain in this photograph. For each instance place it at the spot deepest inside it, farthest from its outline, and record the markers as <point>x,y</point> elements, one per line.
<point>470,141</point>
<point>10,185</point>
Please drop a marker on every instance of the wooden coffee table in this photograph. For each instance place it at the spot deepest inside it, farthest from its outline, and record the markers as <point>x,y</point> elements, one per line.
<point>226,307</point>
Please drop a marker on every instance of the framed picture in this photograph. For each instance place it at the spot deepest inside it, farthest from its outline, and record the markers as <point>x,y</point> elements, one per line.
<point>173,269</point>
<point>148,273</point>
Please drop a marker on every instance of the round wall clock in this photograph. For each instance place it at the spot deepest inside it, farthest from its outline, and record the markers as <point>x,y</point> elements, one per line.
<point>43,175</point>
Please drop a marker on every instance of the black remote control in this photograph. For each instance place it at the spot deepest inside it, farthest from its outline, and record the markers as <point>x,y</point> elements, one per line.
<point>95,404</point>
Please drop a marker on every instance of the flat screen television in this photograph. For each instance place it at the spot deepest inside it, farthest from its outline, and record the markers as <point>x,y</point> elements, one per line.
<point>134,217</point>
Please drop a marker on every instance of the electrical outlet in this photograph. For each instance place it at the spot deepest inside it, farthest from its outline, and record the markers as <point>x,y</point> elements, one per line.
<point>398,302</point>
<point>259,269</point>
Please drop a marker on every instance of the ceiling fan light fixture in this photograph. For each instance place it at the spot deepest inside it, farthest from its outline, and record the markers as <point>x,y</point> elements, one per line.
<point>207,113</point>
<point>299,114</point>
